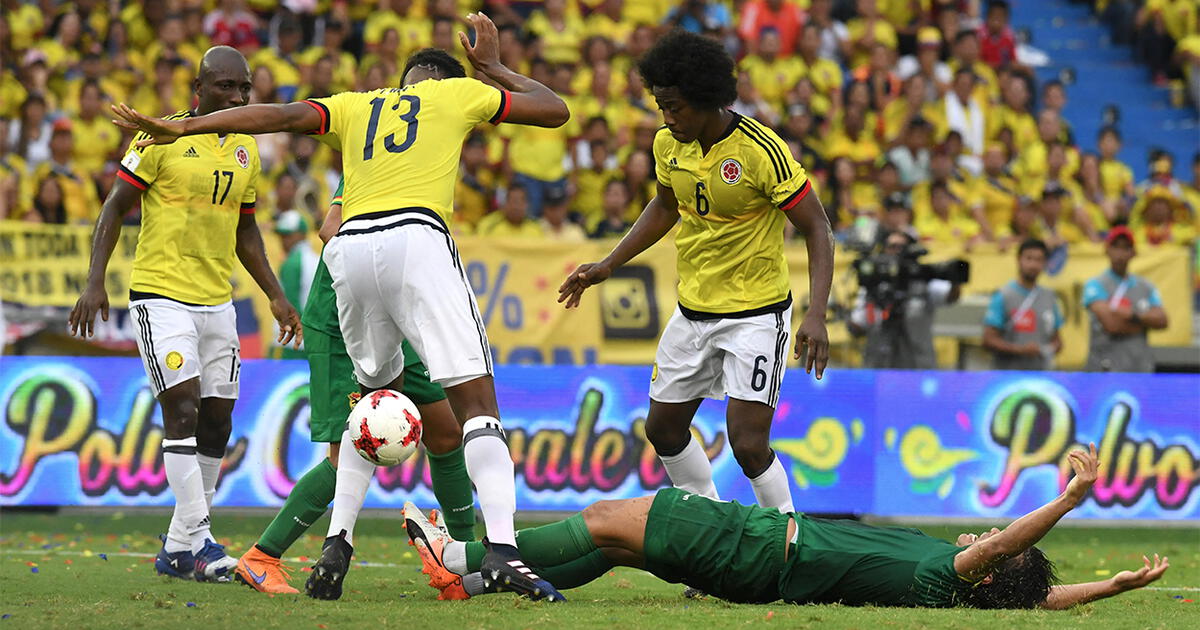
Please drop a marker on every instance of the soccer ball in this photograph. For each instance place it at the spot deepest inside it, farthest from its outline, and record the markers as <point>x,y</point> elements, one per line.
<point>385,427</point>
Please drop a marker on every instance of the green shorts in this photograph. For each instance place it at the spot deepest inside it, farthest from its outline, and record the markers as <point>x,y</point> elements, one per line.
<point>332,385</point>
<point>725,549</point>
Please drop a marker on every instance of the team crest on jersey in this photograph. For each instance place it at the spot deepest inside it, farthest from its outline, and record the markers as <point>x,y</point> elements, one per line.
<point>243,156</point>
<point>731,171</point>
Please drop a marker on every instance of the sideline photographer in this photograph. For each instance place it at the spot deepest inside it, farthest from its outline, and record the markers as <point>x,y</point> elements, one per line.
<point>896,300</point>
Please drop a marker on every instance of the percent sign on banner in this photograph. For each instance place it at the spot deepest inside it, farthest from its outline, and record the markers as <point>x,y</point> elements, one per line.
<point>491,294</point>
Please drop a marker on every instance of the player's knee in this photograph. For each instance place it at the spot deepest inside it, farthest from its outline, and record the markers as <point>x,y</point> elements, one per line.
<point>600,516</point>
<point>667,438</point>
<point>180,416</point>
<point>753,453</point>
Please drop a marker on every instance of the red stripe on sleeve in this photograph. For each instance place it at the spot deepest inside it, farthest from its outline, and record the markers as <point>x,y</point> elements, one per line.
<point>796,197</point>
<point>324,128</point>
<point>248,208</point>
<point>505,106</point>
<point>132,180</point>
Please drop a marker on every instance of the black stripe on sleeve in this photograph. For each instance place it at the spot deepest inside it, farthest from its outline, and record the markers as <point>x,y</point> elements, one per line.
<point>502,110</point>
<point>134,176</point>
<point>781,150</point>
<point>774,160</point>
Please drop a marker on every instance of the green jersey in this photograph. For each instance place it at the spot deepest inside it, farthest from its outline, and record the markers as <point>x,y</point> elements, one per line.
<point>320,310</point>
<point>858,564</point>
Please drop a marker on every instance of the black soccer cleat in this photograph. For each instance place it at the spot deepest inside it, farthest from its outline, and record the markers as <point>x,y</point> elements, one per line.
<point>325,581</point>
<point>503,570</point>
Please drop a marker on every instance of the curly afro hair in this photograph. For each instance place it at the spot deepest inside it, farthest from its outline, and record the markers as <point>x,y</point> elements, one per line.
<point>698,66</point>
<point>1022,581</point>
<point>438,59</point>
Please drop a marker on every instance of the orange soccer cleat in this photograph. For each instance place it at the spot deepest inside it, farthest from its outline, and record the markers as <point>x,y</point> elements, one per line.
<point>263,573</point>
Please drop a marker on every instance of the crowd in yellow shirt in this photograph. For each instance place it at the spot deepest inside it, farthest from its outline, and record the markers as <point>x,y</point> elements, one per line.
<point>895,99</point>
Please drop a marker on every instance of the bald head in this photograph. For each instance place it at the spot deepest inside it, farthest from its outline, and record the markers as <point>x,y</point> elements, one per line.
<point>223,80</point>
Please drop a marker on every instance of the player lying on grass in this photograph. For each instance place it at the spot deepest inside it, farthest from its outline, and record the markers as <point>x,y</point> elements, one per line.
<point>756,555</point>
<point>332,385</point>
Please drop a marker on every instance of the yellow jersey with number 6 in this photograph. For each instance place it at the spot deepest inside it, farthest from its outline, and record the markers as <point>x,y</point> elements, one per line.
<point>400,146</point>
<point>194,191</point>
<point>731,200</point>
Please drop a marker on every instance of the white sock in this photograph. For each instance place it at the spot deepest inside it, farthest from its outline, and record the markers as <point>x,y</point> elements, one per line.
<point>454,556</point>
<point>490,466</point>
<point>210,471</point>
<point>353,478</point>
<point>189,524</point>
<point>771,488</point>
<point>690,470</point>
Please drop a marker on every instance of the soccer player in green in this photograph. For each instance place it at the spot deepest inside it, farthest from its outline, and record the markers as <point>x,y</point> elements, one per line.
<point>755,555</point>
<point>331,387</point>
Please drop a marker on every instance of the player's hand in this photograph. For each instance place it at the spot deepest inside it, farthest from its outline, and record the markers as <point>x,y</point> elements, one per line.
<point>1087,469</point>
<point>583,277</point>
<point>83,316</point>
<point>1129,580</point>
<point>486,51</point>
<point>1031,349</point>
<point>290,329</point>
<point>813,336</point>
<point>160,131</point>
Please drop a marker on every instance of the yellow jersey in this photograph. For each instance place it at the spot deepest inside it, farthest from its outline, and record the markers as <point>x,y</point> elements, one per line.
<point>730,244</point>
<point>999,198</point>
<point>400,146</point>
<point>193,194</point>
<point>1115,178</point>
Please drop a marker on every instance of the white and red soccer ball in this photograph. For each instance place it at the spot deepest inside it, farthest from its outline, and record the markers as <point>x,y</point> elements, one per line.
<point>385,427</point>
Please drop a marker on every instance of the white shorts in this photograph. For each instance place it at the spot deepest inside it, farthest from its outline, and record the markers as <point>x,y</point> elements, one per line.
<point>180,342</point>
<point>397,276</point>
<point>742,357</point>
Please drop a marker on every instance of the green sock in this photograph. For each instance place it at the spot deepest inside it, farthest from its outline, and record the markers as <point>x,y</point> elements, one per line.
<point>307,502</point>
<point>561,552</point>
<point>546,546</point>
<point>452,487</point>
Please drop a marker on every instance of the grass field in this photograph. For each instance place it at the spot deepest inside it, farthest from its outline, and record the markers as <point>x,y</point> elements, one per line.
<point>95,571</point>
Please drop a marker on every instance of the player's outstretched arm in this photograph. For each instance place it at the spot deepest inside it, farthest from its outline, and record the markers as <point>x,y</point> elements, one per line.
<point>978,560</point>
<point>660,215</point>
<point>250,119</point>
<point>253,255</point>
<point>1063,596</point>
<point>108,229</point>
<point>810,219</point>
<point>532,103</point>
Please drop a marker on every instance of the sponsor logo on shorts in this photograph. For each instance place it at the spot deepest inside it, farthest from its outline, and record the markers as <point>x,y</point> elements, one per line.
<point>242,156</point>
<point>174,360</point>
<point>731,171</point>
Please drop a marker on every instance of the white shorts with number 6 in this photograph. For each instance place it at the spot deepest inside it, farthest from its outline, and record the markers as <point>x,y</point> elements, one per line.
<point>743,358</point>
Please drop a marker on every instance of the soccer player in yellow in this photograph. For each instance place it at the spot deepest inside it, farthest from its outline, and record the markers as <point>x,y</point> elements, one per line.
<point>395,268</point>
<point>197,217</point>
<point>732,183</point>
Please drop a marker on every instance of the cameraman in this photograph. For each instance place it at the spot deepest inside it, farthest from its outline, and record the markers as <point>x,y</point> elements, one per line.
<point>897,315</point>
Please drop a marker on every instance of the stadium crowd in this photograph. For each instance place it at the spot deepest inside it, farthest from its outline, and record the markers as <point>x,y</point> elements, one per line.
<point>917,115</point>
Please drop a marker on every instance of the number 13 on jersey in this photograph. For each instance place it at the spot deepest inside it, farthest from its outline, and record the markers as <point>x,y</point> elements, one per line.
<point>389,141</point>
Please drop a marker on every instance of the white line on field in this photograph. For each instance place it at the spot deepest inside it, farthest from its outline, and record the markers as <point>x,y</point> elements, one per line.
<point>369,565</point>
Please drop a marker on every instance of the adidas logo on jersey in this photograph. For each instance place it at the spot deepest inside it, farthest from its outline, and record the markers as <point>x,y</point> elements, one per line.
<point>191,152</point>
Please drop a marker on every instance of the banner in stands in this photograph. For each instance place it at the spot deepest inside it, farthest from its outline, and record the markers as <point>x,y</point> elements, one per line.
<point>79,431</point>
<point>44,268</point>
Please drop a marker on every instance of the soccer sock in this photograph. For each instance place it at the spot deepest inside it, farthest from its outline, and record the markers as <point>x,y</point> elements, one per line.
<point>189,524</point>
<point>210,471</point>
<point>562,553</point>
<point>304,505</point>
<point>690,470</point>
<point>771,487</point>
<point>490,466</point>
<point>353,478</point>
<point>452,487</point>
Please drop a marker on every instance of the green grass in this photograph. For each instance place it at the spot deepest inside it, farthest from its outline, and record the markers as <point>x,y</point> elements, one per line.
<point>75,588</point>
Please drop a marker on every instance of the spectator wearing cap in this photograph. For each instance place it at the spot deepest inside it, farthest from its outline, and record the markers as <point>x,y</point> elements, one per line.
<point>1021,326</point>
<point>299,265</point>
<point>947,222</point>
<point>556,224</point>
<point>1162,218</point>
<point>512,219</point>
<point>911,157</point>
<point>927,63</point>
<point>1122,308</point>
<point>79,198</point>
<point>785,17</point>
<point>997,43</point>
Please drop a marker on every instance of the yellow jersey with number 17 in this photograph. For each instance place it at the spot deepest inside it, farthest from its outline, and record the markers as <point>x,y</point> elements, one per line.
<point>400,146</point>
<point>193,194</point>
<point>731,201</point>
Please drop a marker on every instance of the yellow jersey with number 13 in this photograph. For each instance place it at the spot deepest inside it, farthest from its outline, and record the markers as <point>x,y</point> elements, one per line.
<point>400,146</point>
<point>193,193</point>
<point>730,243</point>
